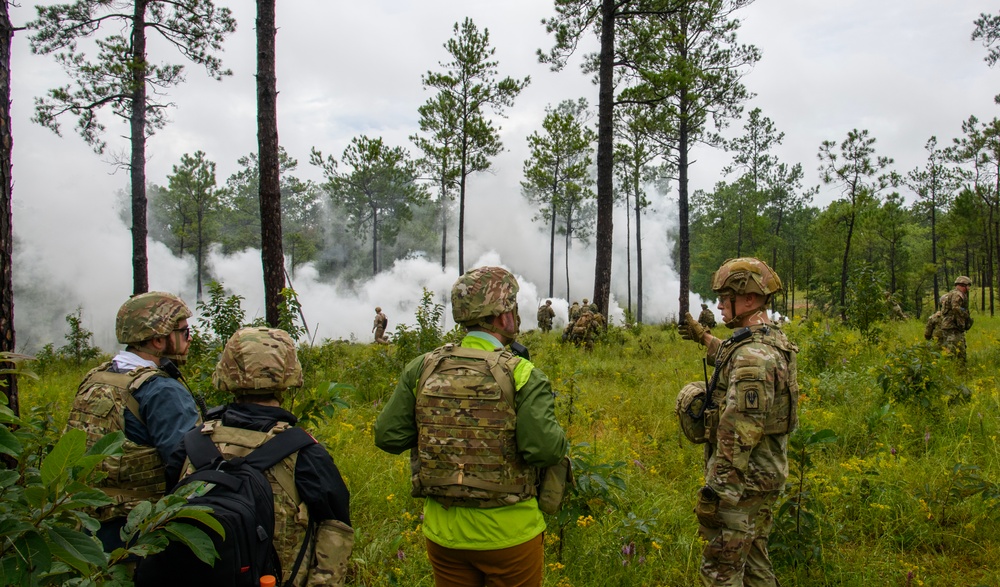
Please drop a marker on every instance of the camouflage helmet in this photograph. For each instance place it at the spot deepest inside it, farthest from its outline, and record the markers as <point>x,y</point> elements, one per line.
<point>378,308</point>
<point>593,307</point>
<point>483,292</point>
<point>258,361</point>
<point>148,315</point>
<point>963,280</point>
<point>746,275</point>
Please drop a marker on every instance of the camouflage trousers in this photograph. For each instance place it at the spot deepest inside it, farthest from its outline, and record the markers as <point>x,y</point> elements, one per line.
<point>735,552</point>
<point>545,325</point>
<point>953,341</point>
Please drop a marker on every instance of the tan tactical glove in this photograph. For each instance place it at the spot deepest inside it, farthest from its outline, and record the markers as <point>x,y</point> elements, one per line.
<point>691,330</point>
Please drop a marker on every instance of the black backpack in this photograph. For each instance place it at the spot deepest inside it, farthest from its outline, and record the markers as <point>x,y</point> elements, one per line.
<point>242,501</point>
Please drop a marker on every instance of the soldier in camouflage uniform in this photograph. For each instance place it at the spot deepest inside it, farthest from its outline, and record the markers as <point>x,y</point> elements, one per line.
<point>138,392</point>
<point>574,312</point>
<point>478,422</point>
<point>752,408</point>
<point>258,366</point>
<point>545,316</point>
<point>955,318</point>
<point>707,317</point>
<point>379,326</point>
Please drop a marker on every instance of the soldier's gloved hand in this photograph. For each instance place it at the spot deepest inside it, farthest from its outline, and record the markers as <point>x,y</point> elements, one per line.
<point>691,330</point>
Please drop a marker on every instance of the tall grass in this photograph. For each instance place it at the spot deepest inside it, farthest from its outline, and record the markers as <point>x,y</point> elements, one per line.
<point>906,495</point>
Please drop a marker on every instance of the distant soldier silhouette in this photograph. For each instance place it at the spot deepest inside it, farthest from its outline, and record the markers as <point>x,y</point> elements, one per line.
<point>955,318</point>
<point>381,322</point>
<point>707,317</point>
<point>545,316</point>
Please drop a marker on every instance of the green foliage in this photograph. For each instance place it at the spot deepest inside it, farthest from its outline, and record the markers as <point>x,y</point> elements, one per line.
<point>823,350</point>
<point>962,483</point>
<point>377,194</point>
<point>46,501</point>
<point>557,175</point>
<point>886,498</point>
<point>196,28</point>
<point>428,334</point>
<point>302,218</point>
<point>321,406</point>
<point>221,315</point>
<point>797,537</point>
<point>79,341</point>
<point>866,302</point>
<point>914,375</point>
<point>469,86</point>
<point>597,483</point>
<point>290,314</point>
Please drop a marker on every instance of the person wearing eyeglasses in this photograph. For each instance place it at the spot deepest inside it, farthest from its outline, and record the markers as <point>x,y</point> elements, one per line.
<point>140,393</point>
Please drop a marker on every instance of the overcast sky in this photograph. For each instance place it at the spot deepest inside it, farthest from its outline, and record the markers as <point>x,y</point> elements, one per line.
<point>903,69</point>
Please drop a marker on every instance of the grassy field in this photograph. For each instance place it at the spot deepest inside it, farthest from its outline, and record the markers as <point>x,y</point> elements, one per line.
<point>895,468</point>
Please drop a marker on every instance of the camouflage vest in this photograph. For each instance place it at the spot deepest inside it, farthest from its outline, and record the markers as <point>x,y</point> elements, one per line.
<point>783,417</point>
<point>466,449</point>
<point>290,516</point>
<point>99,409</point>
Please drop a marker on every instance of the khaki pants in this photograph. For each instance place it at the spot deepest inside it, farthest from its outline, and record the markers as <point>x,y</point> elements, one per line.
<point>517,566</point>
<point>736,553</point>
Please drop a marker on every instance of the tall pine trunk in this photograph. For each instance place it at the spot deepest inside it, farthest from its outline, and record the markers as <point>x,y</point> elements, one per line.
<point>444,222</point>
<point>271,253</point>
<point>137,166</point>
<point>605,160</point>
<point>552,247</point>
<point>683,233</point>
<point>638,261</point>
<point>6,209</point>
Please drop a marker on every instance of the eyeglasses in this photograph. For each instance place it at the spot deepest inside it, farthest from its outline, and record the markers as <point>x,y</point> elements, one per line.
<point>186,331</point>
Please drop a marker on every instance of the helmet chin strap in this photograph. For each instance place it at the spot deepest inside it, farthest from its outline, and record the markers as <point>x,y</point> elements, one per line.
<point>737,319</point>
<point>487,325</point>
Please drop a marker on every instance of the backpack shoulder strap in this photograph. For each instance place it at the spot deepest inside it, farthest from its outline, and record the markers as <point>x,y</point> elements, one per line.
<point>282,445</point>
<point>200,449</point>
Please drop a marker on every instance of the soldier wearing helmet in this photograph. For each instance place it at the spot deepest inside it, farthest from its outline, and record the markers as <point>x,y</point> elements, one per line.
<point>381,322</point>
<point>545,316</point>
<point>955,318</point>
<point>481,515</point>
<point>138,392</point>
<point>707,317</point>
<point>744,417</point>
<point>259,366</point>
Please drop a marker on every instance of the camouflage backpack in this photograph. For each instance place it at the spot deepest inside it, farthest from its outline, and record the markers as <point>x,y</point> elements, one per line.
<point>582,323</point>
<point>99,409</point>
<point>467,451</point>
<point>933,325</point>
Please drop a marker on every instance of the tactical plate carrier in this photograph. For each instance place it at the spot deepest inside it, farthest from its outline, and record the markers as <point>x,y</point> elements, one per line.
<point>99,409</point>
<point>466,449</point>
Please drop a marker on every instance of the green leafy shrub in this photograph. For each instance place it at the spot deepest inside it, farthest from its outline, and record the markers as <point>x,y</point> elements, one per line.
<point>914,375</point>
<point>797,535</point>
<point>46,495</point>
<point>428,333</point>
<point>866,302</point>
